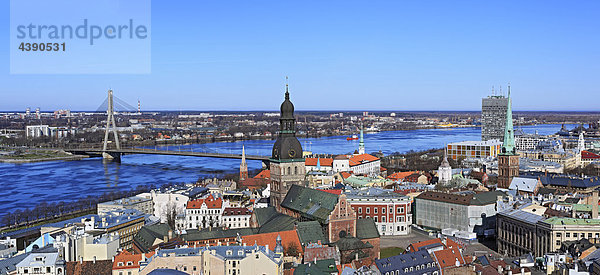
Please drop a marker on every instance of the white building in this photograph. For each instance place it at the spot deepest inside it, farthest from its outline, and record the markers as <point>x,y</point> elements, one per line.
<point>46,261</point>
<point>36,131</point>
<point>203,213</point>
<point>390,211</point>
<point>236,217</point>
<point>141,202</point>
<point>164,202</point>
<point>444,171</point>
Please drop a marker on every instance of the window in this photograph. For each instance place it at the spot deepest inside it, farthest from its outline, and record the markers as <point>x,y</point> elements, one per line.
<point>368,210</point>
<point>383,210</point>
<point>568,235</point>
<point>360,210</point>
<point>383,219</point>
<point>558,235</point>
<point>375,210</point>
<point>574,235</point>
<point>375,218</point>
<point>129,263</point>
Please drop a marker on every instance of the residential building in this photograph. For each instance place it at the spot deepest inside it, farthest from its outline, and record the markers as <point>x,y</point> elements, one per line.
<point>419,262</point>
<point>36,131</point>
<point>465,212</point>
<point>46,261</point>
<point>493,113</point>
<point>365,164</point>
<point>126,263</point>
<point>236,217</point>
<point>474,149</point>
<point>204,213</point>
<point>390,211</point>
<point>241,260</point>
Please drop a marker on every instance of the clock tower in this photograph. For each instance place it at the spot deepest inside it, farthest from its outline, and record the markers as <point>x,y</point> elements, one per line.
<point>286,163</point>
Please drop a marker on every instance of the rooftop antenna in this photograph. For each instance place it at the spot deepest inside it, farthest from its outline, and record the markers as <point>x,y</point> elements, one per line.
<point>493,92</point>
<point>501,91</point>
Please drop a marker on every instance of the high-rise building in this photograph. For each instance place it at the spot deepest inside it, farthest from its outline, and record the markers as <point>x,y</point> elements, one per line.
<point>508,159</point>
<point>493,115</point>
<point>287,163</point>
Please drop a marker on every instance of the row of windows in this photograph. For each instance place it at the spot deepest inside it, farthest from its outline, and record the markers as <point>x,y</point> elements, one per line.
<point>399,210</point>
<point>411,269</point>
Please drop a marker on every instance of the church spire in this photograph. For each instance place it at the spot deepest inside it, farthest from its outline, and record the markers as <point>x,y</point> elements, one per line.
<point>287,92</point>
<point>243,166</point>
<point>508,146</point>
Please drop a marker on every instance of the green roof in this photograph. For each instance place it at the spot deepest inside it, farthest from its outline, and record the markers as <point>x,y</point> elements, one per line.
<point>571,221</point>
<point>582,207</point>
<point>310,232</point>
<point>280,222</point>
<point>310,203</point>
<point>486,198</point>
<point>366,229</point>
<point>322,267</point>
<point>351,243</point>
<point>145,238</point>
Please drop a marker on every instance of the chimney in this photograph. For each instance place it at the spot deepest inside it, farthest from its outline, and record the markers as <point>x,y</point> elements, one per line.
<point>509,272</point>
<point>170,234</point>
<point>143,257</point>
<point>500,269</point>
<point>94,259</point>
<point>595,204</point>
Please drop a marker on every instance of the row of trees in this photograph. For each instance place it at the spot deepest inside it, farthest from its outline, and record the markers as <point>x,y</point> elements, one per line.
<point>47,211</point>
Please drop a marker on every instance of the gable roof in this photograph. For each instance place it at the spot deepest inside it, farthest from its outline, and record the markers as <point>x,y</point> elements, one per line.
<point>264,174</point>
<point>269,220</point>
<point>449,257</point>
<point>366,229</point>
<point>103,267</point>
<point>523,184</point>
<point>310,203</point>
<point>263,239</point>
<point>322,161</point>
<point>310,232</point>
<point>363,158</point>
<point>125,257</point>
<point>146,236</point>
<point>408,260</point>
<point>210,201</point>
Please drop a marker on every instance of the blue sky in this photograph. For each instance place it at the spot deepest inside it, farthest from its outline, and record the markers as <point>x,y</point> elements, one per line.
<point>342,55</point>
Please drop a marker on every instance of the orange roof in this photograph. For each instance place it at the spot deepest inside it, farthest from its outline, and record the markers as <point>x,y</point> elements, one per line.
<point>345,175</point>
<point>210,201</point>
<point>126,256</point>
<point>323,161</point>
<point>448,257</point>
<point>360,159</point>
<point>287,237</point>
<point>416,246</point>
<point>264,174</point>
<point>401,175</point>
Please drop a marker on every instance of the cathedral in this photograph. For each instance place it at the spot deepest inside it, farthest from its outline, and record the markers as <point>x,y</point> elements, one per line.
<point>286,163</point>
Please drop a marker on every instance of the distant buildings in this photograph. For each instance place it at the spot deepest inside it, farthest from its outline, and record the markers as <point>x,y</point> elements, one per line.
<point>493,115</point>
<point>141,202</point>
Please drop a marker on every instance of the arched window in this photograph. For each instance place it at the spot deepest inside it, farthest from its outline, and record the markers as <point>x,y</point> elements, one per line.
<point>289,170</point>
<point>295,170</point>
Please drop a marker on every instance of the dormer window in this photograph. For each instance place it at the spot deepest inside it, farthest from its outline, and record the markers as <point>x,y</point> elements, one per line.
<point>129,263</point>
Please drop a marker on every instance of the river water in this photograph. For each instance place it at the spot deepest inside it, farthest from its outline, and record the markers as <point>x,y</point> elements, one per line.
<point>26,185</point>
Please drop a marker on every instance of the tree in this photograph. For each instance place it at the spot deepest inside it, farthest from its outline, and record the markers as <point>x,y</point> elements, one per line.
<point>292,249</point>
<point>170,211</point>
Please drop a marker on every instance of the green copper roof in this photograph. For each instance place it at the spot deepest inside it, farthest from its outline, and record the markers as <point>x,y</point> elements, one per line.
<point>508,146</point>
<point>571,221</point>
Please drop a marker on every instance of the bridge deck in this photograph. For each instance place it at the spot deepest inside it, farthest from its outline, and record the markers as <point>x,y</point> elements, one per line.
<point>164,152</point>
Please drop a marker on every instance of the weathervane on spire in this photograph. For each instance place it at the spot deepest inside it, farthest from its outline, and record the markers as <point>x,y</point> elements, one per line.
<point>287,93</point>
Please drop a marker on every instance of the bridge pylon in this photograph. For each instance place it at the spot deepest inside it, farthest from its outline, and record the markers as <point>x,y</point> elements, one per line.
<point>111,126</point>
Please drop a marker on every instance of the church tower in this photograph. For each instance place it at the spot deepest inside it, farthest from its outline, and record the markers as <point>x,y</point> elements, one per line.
<point>508,159</point>
<point>286,163</point>
<point>243,166</point>
<point>444,171</point>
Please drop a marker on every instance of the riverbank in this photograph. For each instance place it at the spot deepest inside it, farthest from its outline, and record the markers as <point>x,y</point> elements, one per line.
<point>36,155</point>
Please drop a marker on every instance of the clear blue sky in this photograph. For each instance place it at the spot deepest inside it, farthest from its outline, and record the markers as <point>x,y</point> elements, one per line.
<point>343,55</point>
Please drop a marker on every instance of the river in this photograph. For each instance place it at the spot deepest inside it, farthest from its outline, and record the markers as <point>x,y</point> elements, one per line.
<point>26,185</point>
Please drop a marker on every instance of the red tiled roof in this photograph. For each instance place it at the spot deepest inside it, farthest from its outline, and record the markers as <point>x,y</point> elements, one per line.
<point>264,174</point>
<point>360,159</point>
<point>401,175</point>
<point>232,211</point>
<point>448,257</point>
<point>416,246</point>
<point>125,257</point>
<point>589,155</point>
<point>345,175</point>
<point>254,183</point>
<point>323,161</point>
<point>332,191</point>
<point>210,201</point>
<point>287,237</point>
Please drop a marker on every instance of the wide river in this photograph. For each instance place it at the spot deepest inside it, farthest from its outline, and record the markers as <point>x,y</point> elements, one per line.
<point>26,185</point>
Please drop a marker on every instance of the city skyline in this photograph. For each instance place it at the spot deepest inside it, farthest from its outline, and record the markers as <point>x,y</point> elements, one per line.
<point>397,56</point>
